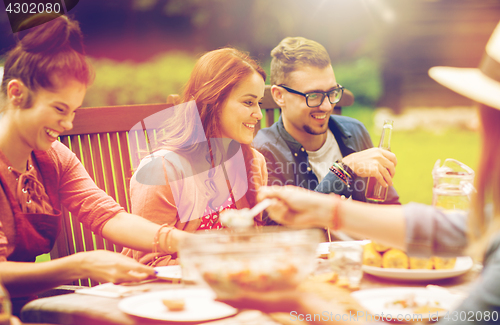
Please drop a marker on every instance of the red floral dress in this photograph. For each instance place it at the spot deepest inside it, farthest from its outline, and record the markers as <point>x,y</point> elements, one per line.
<point>210,216</point>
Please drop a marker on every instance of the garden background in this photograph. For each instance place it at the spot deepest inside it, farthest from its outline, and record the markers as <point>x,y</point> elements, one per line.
<point>144,50</point>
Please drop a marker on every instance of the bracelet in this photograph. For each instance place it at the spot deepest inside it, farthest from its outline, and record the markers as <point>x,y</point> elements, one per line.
<point>335,213</point>
<point>343,168</point>
<point>156,241</point>
<point>342,174</point>
<point>346,169</point>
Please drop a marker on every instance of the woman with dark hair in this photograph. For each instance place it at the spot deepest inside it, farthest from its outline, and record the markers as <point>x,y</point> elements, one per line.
<point>205,161</point>
<point>44,82</point>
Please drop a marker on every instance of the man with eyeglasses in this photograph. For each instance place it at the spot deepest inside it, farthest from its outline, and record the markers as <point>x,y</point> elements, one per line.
<point>308,146</point>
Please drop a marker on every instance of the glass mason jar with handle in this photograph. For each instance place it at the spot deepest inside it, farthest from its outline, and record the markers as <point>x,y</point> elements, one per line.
<point>374,191</point>
<point>453,185</point>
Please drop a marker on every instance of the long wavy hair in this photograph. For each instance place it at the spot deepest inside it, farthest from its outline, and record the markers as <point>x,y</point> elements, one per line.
<point>481,228</point>
<point>213,78</point>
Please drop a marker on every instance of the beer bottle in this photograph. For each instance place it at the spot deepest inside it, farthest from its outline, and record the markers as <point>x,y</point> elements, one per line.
<point>374,191</point>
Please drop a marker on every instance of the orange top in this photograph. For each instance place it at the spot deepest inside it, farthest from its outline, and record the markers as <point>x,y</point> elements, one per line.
<point>181,196</point>
<point>76,191</point>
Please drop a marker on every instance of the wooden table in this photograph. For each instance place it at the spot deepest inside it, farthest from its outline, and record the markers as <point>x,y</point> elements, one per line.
<point>77,309</point>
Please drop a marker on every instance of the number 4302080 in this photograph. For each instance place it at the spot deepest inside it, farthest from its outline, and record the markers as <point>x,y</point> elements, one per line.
<point>472,316</point>
<point>33,8</point>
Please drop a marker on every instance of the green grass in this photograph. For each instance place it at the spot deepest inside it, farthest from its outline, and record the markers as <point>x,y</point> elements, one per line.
<point>361,113</point>
<point>418,150</point>
<point>43,258</point>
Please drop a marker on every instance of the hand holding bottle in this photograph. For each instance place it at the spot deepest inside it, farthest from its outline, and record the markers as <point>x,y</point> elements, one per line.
<point>373,162</point>
<point>375,190</point>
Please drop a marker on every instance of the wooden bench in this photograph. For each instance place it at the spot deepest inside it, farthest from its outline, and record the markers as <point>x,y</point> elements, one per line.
<point>108,140</point>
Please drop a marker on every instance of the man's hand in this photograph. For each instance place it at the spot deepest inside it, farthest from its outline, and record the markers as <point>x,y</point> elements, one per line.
<point>373,162</point>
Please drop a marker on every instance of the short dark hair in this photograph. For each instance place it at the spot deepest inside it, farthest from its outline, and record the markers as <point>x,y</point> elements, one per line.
<point>294,52</point>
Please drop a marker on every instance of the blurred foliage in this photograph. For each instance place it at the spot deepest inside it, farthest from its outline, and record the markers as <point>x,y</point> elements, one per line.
<point>259,25</point>
<point>363,78</point>
<point>418,150</point>
<point>123,83</point>
<point>364,114</point>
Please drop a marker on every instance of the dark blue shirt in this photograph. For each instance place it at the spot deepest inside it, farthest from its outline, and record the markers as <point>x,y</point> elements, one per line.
<point>288,164</point>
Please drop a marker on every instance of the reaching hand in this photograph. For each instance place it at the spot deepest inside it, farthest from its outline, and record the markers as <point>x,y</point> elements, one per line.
<point>268,302</point>
<point>289,301</point>
<point>106,266</point>
<point>373,162</point>
<point>298,207</point>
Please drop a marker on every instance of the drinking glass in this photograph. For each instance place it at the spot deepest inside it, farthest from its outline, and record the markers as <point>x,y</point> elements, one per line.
<point>346,260</point>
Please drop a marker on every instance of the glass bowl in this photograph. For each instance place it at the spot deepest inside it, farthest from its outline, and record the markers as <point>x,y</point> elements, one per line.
<point>232,263</point>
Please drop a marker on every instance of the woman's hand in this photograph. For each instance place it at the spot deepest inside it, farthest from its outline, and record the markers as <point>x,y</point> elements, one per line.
<point>106,266</point>
<point>175,238</point>
<point>292,302</point>
<point>268,302</point>
<point>298,207</point>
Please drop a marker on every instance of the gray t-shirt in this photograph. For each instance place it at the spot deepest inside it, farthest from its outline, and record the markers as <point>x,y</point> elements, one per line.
<point>321,159</point>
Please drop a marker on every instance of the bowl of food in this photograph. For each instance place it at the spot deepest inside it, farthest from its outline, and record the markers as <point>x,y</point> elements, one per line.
<point>233,263</point>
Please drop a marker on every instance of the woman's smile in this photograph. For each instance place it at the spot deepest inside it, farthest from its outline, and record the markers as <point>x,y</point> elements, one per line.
<point>53,135</point>
<point>241,111</point>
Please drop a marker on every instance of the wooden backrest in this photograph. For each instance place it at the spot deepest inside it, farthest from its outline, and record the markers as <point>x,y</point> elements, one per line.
<point>107,140</point>
<point>271,110</point>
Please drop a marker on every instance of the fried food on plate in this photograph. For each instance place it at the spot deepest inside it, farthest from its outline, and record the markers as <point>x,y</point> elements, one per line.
<point>395,258</point>
<point>371,257</point>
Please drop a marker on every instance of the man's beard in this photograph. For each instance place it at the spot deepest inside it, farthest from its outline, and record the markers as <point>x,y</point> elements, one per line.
<point>311,131</point>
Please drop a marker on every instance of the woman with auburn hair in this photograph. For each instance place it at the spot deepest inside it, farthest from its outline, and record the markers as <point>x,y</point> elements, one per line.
<point>418,229</point>
<point>44,82</point>
<point>204,163</point>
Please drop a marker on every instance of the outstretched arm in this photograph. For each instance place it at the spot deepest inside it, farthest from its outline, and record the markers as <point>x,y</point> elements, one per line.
<point>138,233</point>
<point>298,207</point>
<point>23,279</point>
<point>299,305</point>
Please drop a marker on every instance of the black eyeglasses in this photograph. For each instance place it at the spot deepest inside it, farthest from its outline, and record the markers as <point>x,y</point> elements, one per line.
<point>316,98</point>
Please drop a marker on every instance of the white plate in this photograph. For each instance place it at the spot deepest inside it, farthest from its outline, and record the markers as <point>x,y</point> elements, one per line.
<point>111,290</point>
<point>199,305</point>
<point>462,265</point>
<point>323,249</point>
<point>378,301</point>
<point>170,272</point>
